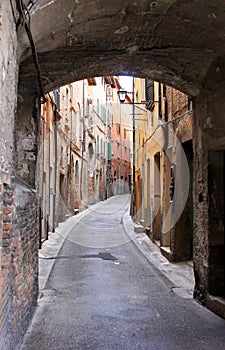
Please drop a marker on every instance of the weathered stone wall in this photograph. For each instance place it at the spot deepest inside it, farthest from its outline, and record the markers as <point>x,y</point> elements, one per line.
<point>200,204</point>
<point>18,219</point>
<point>209,131</point>
<point>8,82</point>
<point>179,108</point>
<point>26,137</point>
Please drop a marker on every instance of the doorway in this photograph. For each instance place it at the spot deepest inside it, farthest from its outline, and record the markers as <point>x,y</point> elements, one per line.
<point>216,248</point>
<point>157,198</point>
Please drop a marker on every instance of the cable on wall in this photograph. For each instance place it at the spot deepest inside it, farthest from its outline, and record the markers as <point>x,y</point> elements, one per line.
<point>163,124</point>
<point>25,21</point>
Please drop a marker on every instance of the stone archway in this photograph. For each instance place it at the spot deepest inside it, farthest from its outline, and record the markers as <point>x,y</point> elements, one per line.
<point>180,43</point>
<point>176,42</point>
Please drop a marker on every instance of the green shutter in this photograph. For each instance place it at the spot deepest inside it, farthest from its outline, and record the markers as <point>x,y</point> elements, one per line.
<point>109,151</point>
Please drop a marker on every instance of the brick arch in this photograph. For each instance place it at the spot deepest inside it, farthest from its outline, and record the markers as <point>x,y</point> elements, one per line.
<point>170,41</point>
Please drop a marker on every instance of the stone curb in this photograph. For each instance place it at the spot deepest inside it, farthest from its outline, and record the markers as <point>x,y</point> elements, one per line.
<point>180,274</point>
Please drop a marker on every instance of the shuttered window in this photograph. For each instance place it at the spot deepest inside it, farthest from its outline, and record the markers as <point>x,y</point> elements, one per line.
<point>109,151</point>
<point>149,94</point>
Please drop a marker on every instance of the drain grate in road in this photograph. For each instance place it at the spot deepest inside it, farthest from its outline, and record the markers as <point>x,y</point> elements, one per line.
<point>107,256</point>
<point>103,256</point>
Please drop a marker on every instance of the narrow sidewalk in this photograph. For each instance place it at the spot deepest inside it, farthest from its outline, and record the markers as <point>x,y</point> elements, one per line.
<point>180,274</point>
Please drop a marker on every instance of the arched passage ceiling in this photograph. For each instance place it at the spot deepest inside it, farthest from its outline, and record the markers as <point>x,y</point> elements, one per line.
<point>173,41</point>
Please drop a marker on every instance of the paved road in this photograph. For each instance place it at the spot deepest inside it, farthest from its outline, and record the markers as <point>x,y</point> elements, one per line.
<point>103,294</point>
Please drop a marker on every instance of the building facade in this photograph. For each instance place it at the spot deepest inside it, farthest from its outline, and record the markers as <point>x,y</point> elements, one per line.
<point>84,153</point>
<point>121,143</point>
<point>163,168</point>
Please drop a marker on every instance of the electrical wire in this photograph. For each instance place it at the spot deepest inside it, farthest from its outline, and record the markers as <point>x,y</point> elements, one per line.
<point>25,21</point>
<point>13,12</point>
<point>162,125</point>
<point>31,4</point>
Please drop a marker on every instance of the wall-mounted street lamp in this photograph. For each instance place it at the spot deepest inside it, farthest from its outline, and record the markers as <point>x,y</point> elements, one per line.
<point>122,93</point>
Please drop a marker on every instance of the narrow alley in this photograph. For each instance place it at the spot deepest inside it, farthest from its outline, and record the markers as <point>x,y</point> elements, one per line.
<point>102,293</point>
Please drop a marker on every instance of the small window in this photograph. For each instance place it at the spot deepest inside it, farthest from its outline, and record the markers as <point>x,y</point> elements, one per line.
<point>149,93</point>
<point>90,151</point>
<point>57,99</point>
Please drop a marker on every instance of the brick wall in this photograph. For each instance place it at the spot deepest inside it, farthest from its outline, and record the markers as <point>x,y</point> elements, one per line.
<point>178,105</point>
<point>7,110</point>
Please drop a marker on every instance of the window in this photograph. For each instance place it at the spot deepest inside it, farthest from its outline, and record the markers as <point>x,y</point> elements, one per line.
<point>104,115</point>
<point>118,128</point>
<point>76,169</point>
<point>90,151</point>
<point>189,103</point>
<point>57,99</point>
<point>165,104</point>
<point>71,93</point>
<point>97,144</point>
<point>61,156</point>
<point>87,109</point>
<point>160,101</point>
<point>67,102</point>
<point>125,133</point>
<point>149,94</point>
<point>98,109</point>
<point>109,151</point>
